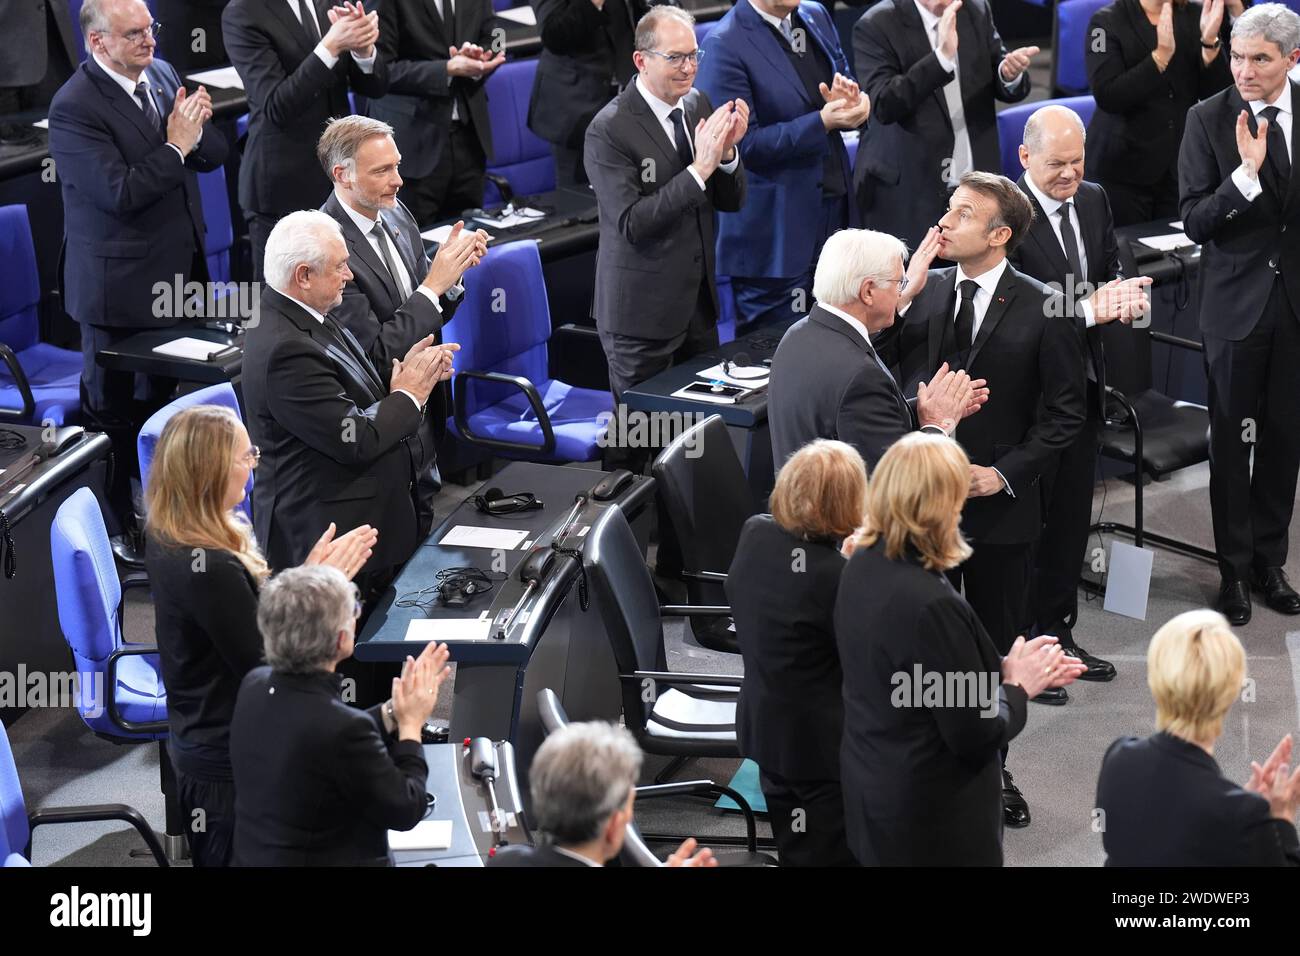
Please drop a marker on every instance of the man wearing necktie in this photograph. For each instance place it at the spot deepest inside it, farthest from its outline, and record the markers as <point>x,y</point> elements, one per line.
<point>439,53</point>
<point>933,69</point>
<point>661,161</point>
<point>1071,247</point>
<point>828,381</point>
<point>1239,200</point>
<point>396,295</point>
<point>298,60</point>
<point>1006,328</point>
<point>127,142</point>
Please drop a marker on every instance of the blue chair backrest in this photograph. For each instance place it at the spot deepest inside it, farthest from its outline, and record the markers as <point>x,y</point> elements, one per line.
<point>85,580</point>
<point>519,154</point>
<point>1070,43</point>
<point>219,234</point>
<point>74,10</point>
<point>20,289</point>
<point>151,431</point>
<point>14,832</point>
<point>1011,126</point>
<point>504,322</point>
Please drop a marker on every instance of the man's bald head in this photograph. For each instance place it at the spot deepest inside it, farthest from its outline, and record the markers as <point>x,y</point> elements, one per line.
<point>1052,123</point>
<point>1052,151</point>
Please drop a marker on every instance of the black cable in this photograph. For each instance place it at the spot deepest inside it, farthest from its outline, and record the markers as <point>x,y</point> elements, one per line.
<point>11,440</point>
<point>583,600</point>
<point>467,581</point>
<point>7,546</point>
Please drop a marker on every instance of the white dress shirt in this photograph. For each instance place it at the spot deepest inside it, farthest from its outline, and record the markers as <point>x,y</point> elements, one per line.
<point>1250,188</point>
<point>962,156</point>
<point>367,64</point>
<point>1052,210</point>
<point>404,281</point>
<point>575,856</point>
<point>987,283</point>
<point>129,86</point>
<point>661,111</point>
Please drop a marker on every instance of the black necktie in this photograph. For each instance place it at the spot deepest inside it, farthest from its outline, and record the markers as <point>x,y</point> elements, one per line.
<point>308,23</point>
<point>1277,158</point>
<point>378,232</point>
<point>1070,243</point>
<point>966,317</point>
<point>680,138</point>
<point>146,103</point>
<point>352,348</point>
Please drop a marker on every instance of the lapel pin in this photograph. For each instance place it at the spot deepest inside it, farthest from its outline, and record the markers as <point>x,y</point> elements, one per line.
<point>1001,301</point>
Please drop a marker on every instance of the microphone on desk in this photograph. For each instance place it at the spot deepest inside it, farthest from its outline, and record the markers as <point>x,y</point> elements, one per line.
<point>483,765</point>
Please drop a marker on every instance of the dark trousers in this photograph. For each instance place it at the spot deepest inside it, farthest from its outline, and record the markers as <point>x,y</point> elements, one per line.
<point>259,228</point>
<point>569,168</point>
<point>760,299</point>
<point>208,808</point>
<point>1253,382</point>
<point>1063,546</point>
<point>456,183</point>
<point>995,580</point>
<point>1131,204</point>
<point>807,818</point>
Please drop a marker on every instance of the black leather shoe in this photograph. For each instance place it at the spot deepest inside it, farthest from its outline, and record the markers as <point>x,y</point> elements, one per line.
<point>1015,810</point>
<point>1056,696</point>
<point>1098,669</point>
<point>125,552</point>
<point>1234,602</point>
<point>1277,591</point>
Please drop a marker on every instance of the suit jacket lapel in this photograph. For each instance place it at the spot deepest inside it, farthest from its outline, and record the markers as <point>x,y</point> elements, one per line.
<point>324,338</point>
<point>917,33</point>
<point>770,47</point>
<point>1045,236</point>
<point>359,246</point>
<point>1003,296</point>
<point>939,317</point>
<point>869,354</point>
<point>635,104</point>
<point>296,30</point>
<point>1293,187</point>
<point>126,104</point>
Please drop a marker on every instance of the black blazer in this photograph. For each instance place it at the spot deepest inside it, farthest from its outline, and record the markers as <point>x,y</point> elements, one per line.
<point>581,64</point>
<point>922,784</point>
<point>335,442</point>
<point>291,96</point>
<point>132,214</point>
<point>415,42</point>
<point>205,621</point>
<point>782,595</point>
<point>1166,803</point>
<point>1138,123</point>
<point>1041,257</point>
<point>1242,243</point>
<point>898,175</point>
<point>317,782</point>
<point>1032,359</point>
<point>656,231</point>
<point>825,384</point>
<point>530,857</point>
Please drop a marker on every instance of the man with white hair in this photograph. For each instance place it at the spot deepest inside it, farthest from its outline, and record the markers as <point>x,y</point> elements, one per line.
<point>1238,200</point>
<point>583,782</point>
<point>335,431</point>
<point>827,380</point>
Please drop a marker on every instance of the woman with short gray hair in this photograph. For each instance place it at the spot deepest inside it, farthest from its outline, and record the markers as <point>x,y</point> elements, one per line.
<point>318,782</point>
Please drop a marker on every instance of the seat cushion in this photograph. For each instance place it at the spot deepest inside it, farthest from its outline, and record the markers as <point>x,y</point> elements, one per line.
<point>710,716</point>
<point>54,375</point>
<point>574,414</point>
<point>1173,436</point>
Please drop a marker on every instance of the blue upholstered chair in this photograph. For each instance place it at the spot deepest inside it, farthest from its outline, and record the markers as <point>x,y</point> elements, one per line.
<point>1011,126</point>
<point>38,382</point>
<point>504,398</point>
<point>520,156</point>
<point>1070,45</point>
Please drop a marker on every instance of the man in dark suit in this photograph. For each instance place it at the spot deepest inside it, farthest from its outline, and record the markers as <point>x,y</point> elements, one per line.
<point>782,58</point>
<point>319,782</point>
<point>827,380</point>
<point>297,75</point>
<point>438,59</point>
<point>1071,247</point>
<point>586,59</point>
<point>1240,194</point>
<point>338,435</point>
<point>396,295</point>
<point>127,142</point>
<point>933,69</point>
<point>661,160</point>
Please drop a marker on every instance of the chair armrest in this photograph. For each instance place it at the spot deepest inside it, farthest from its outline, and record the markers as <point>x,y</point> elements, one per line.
<point>104,811</point>
<point>24,414</point>
<point>110,681</point>
<point>694,610</point>
<point>712,789</point>
<point>677,677</point>
<point>1124,403</point>
<point>134,580</point>
<point>459,399</point>
<point>719,576</point>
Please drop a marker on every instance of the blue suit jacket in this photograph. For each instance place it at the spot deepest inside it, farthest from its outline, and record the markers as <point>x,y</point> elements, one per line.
<point>131,210</point>
<point>775,232</point>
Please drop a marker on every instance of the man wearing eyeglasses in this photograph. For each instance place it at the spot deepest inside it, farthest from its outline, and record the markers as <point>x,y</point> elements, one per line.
<point>661,160</point>
<point>127,141</point>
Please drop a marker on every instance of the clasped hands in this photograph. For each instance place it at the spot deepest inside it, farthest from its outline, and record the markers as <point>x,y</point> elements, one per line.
<point>351,30</point>
<point>472,61</point>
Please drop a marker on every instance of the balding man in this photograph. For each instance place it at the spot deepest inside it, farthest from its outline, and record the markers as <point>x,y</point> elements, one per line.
<point>1071,247</point>
<point>337,433</point>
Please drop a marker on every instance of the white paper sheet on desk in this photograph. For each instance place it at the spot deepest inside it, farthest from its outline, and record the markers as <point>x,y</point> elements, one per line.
<point>525,15</point>
<point>1176,225</point>
<point>45,123</point>
<point>448,629</point>
<point>439,234</point>
<point>187,347</point>
<point>226,78</point>
<point>521,216</point>
<point>1176,240</point>
<point>425,835</point>
<point>470,536</point>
